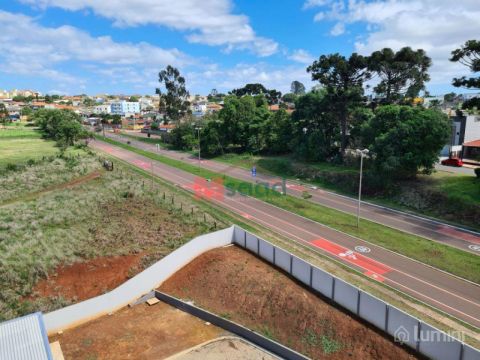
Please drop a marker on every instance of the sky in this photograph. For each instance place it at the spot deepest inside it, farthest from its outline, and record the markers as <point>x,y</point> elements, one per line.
<point>118,46</point>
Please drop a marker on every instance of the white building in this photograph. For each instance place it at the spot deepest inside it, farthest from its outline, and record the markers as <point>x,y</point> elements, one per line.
<point>125,107</point>
<point>199,108</point>
<point>102,109</point>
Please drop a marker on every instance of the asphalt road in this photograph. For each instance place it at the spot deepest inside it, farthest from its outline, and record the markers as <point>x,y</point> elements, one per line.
<point>430,229</point>
<point>453,295</point>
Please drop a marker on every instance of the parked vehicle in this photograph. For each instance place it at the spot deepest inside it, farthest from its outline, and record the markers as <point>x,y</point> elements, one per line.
<point>453,162</point>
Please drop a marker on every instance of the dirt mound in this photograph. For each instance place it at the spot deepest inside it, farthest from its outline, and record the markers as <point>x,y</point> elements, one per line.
<point>236,285</point>
<point>81,281</point>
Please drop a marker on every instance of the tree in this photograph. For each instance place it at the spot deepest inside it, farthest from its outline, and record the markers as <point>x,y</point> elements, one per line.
<point>89,102</point>
<point>272,96</point>
<point>63,126</point>
<point>289,98</point>
<point>343,80</point>
<point>297,88</point>
<point>4,115</point>
<point>402,73</point>
<point>450,97</point>
<point>173,98</point>
<point>404,140</point>
<point>468,55</point>
<point>27,111</point>
<point>315,127</point>
<point>133,99</point>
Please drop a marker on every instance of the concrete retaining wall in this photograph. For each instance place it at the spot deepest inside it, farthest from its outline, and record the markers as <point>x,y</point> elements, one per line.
<point>256,338</point>
<point>137,286</point>
<point>403,327</point>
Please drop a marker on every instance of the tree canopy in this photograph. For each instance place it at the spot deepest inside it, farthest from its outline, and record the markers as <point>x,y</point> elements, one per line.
<point>343,80</point>
<point>174,95</point>
<point>468,55</point>
<point>297,88</point>
<point>273,96</point>
<point>63,126</point>
<point>401,73</point>
<point>404,139</point>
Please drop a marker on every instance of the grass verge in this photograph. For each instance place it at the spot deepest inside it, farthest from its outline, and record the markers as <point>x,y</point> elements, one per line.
<point>449,259</point>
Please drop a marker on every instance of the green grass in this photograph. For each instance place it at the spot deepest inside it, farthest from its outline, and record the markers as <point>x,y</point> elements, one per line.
<point>443,257</point>
<point>17,145</point>
<point>89,220</point>
<point>21,145</point>
<point>419,196</point>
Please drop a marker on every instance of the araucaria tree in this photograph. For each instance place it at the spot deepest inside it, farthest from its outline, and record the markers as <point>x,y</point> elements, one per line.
<point>173,95</point>
<point>402,73</point>
<point>343,80</point>
<point>297,88</point>
<point>468,55</point>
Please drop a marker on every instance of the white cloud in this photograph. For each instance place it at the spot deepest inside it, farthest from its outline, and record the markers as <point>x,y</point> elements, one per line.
<point>27,48</point>
<point>302,56</point>
<point>205,21</point>
<point>435,26</point>
<point>272,77</point>
<point>315,3</point>
<point>338,29</point>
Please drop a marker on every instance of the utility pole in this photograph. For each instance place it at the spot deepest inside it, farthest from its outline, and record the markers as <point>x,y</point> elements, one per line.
<point>198,128</point>
<point>362,153</point>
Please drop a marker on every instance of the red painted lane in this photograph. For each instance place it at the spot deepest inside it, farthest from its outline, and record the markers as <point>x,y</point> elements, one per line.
<point>295,187</point>
<point>142,164</point>
<point>372,268</point>
<point>447,230</point>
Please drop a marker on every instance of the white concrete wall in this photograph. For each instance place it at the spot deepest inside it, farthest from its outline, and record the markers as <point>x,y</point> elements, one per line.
<point>472,128</point>
<point>139,285</point>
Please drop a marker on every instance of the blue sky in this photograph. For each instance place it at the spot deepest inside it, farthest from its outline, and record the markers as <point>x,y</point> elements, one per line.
<point>117,46</point>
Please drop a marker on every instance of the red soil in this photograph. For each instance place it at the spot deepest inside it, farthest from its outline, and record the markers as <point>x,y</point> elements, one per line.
<point>84,280</point>
<point>235,284</point>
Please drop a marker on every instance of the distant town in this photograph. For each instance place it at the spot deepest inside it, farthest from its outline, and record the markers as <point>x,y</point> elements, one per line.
<point>139,112</point>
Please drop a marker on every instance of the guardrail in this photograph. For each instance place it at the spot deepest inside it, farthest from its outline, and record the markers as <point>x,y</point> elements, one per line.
<point>403,327</point>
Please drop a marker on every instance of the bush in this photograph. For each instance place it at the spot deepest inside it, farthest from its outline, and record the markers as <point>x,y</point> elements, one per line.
<point>11,167</point>
<point>477,172</point>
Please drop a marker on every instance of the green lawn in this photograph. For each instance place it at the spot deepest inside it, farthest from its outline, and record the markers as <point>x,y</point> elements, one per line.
<point>20,144</point>
<point>443,257</point>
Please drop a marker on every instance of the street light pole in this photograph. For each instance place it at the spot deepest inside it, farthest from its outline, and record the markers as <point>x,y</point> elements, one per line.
<point>362,153</point>
<point>198,130</point>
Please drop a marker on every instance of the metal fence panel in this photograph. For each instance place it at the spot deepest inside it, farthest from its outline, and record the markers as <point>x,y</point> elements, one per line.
<point>301,270</point>
<point>438,345</point>
<point>266,250</point>
<point>469,353</point>
<point>402,327</point>
<point>322,282</point>
<point>346,295</point>
<point>252,243</point>
<point>282,259</point>
<point>373,310</point>
<point>239,236</point>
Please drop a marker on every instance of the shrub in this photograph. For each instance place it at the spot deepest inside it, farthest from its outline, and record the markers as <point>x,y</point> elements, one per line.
<point>11,167</point>
<point>477,172</point>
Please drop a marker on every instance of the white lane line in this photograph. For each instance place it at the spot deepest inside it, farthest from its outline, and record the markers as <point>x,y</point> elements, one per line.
<point>316,235</point>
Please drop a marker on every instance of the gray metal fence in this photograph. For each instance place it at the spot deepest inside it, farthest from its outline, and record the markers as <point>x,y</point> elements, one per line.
<point>418,335</point>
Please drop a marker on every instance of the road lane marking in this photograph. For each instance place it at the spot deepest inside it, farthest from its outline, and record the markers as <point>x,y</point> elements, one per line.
<point>306,231</point>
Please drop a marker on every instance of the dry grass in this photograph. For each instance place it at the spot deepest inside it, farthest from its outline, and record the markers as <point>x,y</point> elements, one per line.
<point>115,214</point>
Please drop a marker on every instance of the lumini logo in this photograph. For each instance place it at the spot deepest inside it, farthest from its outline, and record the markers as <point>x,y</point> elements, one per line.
<point>402,335</point>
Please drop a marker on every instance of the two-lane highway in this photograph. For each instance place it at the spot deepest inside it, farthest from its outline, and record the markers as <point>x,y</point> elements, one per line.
<point>433,230</point>
<point>454,296</point>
